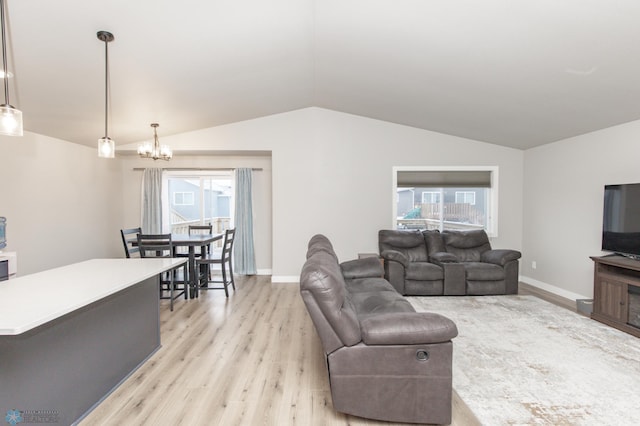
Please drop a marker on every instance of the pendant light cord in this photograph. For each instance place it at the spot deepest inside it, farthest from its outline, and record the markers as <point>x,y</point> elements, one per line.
<point>4,54</point>
<point>106,88</point>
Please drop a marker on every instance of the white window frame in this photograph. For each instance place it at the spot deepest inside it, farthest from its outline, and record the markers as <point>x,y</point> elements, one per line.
<point>492,219</point>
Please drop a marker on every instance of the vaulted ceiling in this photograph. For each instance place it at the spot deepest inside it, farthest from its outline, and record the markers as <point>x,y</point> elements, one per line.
<point>518,73</point>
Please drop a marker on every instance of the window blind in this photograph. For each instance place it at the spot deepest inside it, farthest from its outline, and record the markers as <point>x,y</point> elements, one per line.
<point>444,179</point>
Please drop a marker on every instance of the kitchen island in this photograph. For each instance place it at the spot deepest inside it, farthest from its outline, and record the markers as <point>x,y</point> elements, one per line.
<point>70,335</point>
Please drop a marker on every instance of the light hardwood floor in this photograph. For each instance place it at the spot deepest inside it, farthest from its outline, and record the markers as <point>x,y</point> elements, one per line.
<point>252,359</point>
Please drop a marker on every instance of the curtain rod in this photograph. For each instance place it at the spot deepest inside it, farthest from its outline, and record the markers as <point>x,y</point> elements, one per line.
<point>199,169</point>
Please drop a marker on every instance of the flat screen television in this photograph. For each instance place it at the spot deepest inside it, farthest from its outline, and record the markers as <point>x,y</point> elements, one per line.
<point>621,219</point>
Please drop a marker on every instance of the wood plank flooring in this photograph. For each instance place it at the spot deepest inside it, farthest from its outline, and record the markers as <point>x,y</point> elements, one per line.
<point>251,359</point>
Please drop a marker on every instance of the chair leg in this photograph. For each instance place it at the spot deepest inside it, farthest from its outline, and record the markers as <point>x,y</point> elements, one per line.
<point>186,282</point>
<point>224,280</point>
<point>233,283</point>
<point>171,291</point>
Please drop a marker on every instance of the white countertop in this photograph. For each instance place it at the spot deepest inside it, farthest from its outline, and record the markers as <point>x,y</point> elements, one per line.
<point>32,300</point>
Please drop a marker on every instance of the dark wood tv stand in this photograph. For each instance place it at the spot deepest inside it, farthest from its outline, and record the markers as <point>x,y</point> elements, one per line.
<point>616,292</point>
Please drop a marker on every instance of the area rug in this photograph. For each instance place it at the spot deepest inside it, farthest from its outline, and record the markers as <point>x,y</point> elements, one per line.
<point>519,360</point>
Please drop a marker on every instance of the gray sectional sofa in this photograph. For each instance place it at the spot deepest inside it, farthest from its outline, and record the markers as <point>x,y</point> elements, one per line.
<point>385,361</point>
<point>431,263</point>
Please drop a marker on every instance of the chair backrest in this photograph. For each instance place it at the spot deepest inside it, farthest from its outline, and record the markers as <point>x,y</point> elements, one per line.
<point>155,245</point>
<point>200,229</point>
<point>129,237</point>
<point>227,245</point>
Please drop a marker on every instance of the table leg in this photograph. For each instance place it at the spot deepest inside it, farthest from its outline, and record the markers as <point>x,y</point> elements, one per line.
<point>193,274</point>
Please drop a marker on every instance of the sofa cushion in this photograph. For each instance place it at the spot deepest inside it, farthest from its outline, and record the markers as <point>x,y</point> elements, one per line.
<point>424,271</point>
<point>468,246</point>
<point>379,302</point>
<point>424,288</point>
<point>363,285</point>
<point>409,243</point>
<point>478,271</point>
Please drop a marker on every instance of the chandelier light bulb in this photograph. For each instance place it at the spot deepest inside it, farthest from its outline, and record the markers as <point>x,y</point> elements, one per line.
<point>153,149</point>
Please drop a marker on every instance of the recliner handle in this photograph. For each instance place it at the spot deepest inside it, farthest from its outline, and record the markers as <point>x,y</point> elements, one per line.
<point>422,355</point>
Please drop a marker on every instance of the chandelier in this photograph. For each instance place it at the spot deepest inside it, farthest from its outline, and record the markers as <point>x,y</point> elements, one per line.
<point>155,150</point>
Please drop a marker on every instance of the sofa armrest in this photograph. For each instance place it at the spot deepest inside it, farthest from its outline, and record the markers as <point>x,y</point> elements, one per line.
<point>362,268</point>
<point>396,256</point>
<point>407,328</point>
<point>500,256</point>
<point>442,257</point>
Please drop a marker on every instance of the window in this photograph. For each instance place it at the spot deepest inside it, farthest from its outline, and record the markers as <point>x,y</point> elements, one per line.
<point>446,198</point>
<point>430,197</point>
<point>200,199</point>
<point>466,197</point>
<point>183,198</point>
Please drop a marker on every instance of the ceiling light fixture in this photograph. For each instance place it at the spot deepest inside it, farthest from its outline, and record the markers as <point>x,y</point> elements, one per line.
<point>10,117</point>
<point>106,145</point>
<point>155,150</point>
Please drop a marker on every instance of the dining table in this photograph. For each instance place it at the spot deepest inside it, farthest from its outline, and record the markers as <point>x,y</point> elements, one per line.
<point>191,241</point>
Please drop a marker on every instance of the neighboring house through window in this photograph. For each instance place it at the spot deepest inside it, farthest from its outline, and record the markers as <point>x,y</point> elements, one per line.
<point>466,197</point>
<point>183,198</point>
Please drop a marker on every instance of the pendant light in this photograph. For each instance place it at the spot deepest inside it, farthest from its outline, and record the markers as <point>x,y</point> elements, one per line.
<point>155,150</point>
<point>106,145</point>
<point>10,117</point>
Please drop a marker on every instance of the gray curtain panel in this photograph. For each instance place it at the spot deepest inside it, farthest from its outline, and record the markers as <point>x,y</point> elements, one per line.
<point>152,201</point>
<point>244,261</point>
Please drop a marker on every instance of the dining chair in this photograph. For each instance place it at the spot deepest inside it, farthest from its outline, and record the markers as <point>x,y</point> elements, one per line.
<point>205,230</point>
<point>160,245</point>
<point>220,257</point>
<point>201,229</point>
<point>130,241</point>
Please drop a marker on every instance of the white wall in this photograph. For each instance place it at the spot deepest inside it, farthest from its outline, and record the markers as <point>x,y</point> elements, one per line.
<point>61,202</point>
<point>332,174</point>
<point>564,187</point>
<point>132,182</point>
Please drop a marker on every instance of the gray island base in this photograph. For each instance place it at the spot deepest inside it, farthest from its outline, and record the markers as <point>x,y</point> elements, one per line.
<point>57,371</point>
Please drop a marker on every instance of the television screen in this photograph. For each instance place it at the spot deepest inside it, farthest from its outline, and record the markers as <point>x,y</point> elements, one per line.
<point>621,219</point>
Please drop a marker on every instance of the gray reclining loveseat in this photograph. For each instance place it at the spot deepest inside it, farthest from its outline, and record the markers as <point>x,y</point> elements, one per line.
<point>431,263</point>
<point>385,361</point>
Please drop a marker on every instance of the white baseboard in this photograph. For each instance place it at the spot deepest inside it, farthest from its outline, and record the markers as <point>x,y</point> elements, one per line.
<point>285,279</point>
<point>552,289</point>
<point>539,284</point>
<point>263,271</point>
